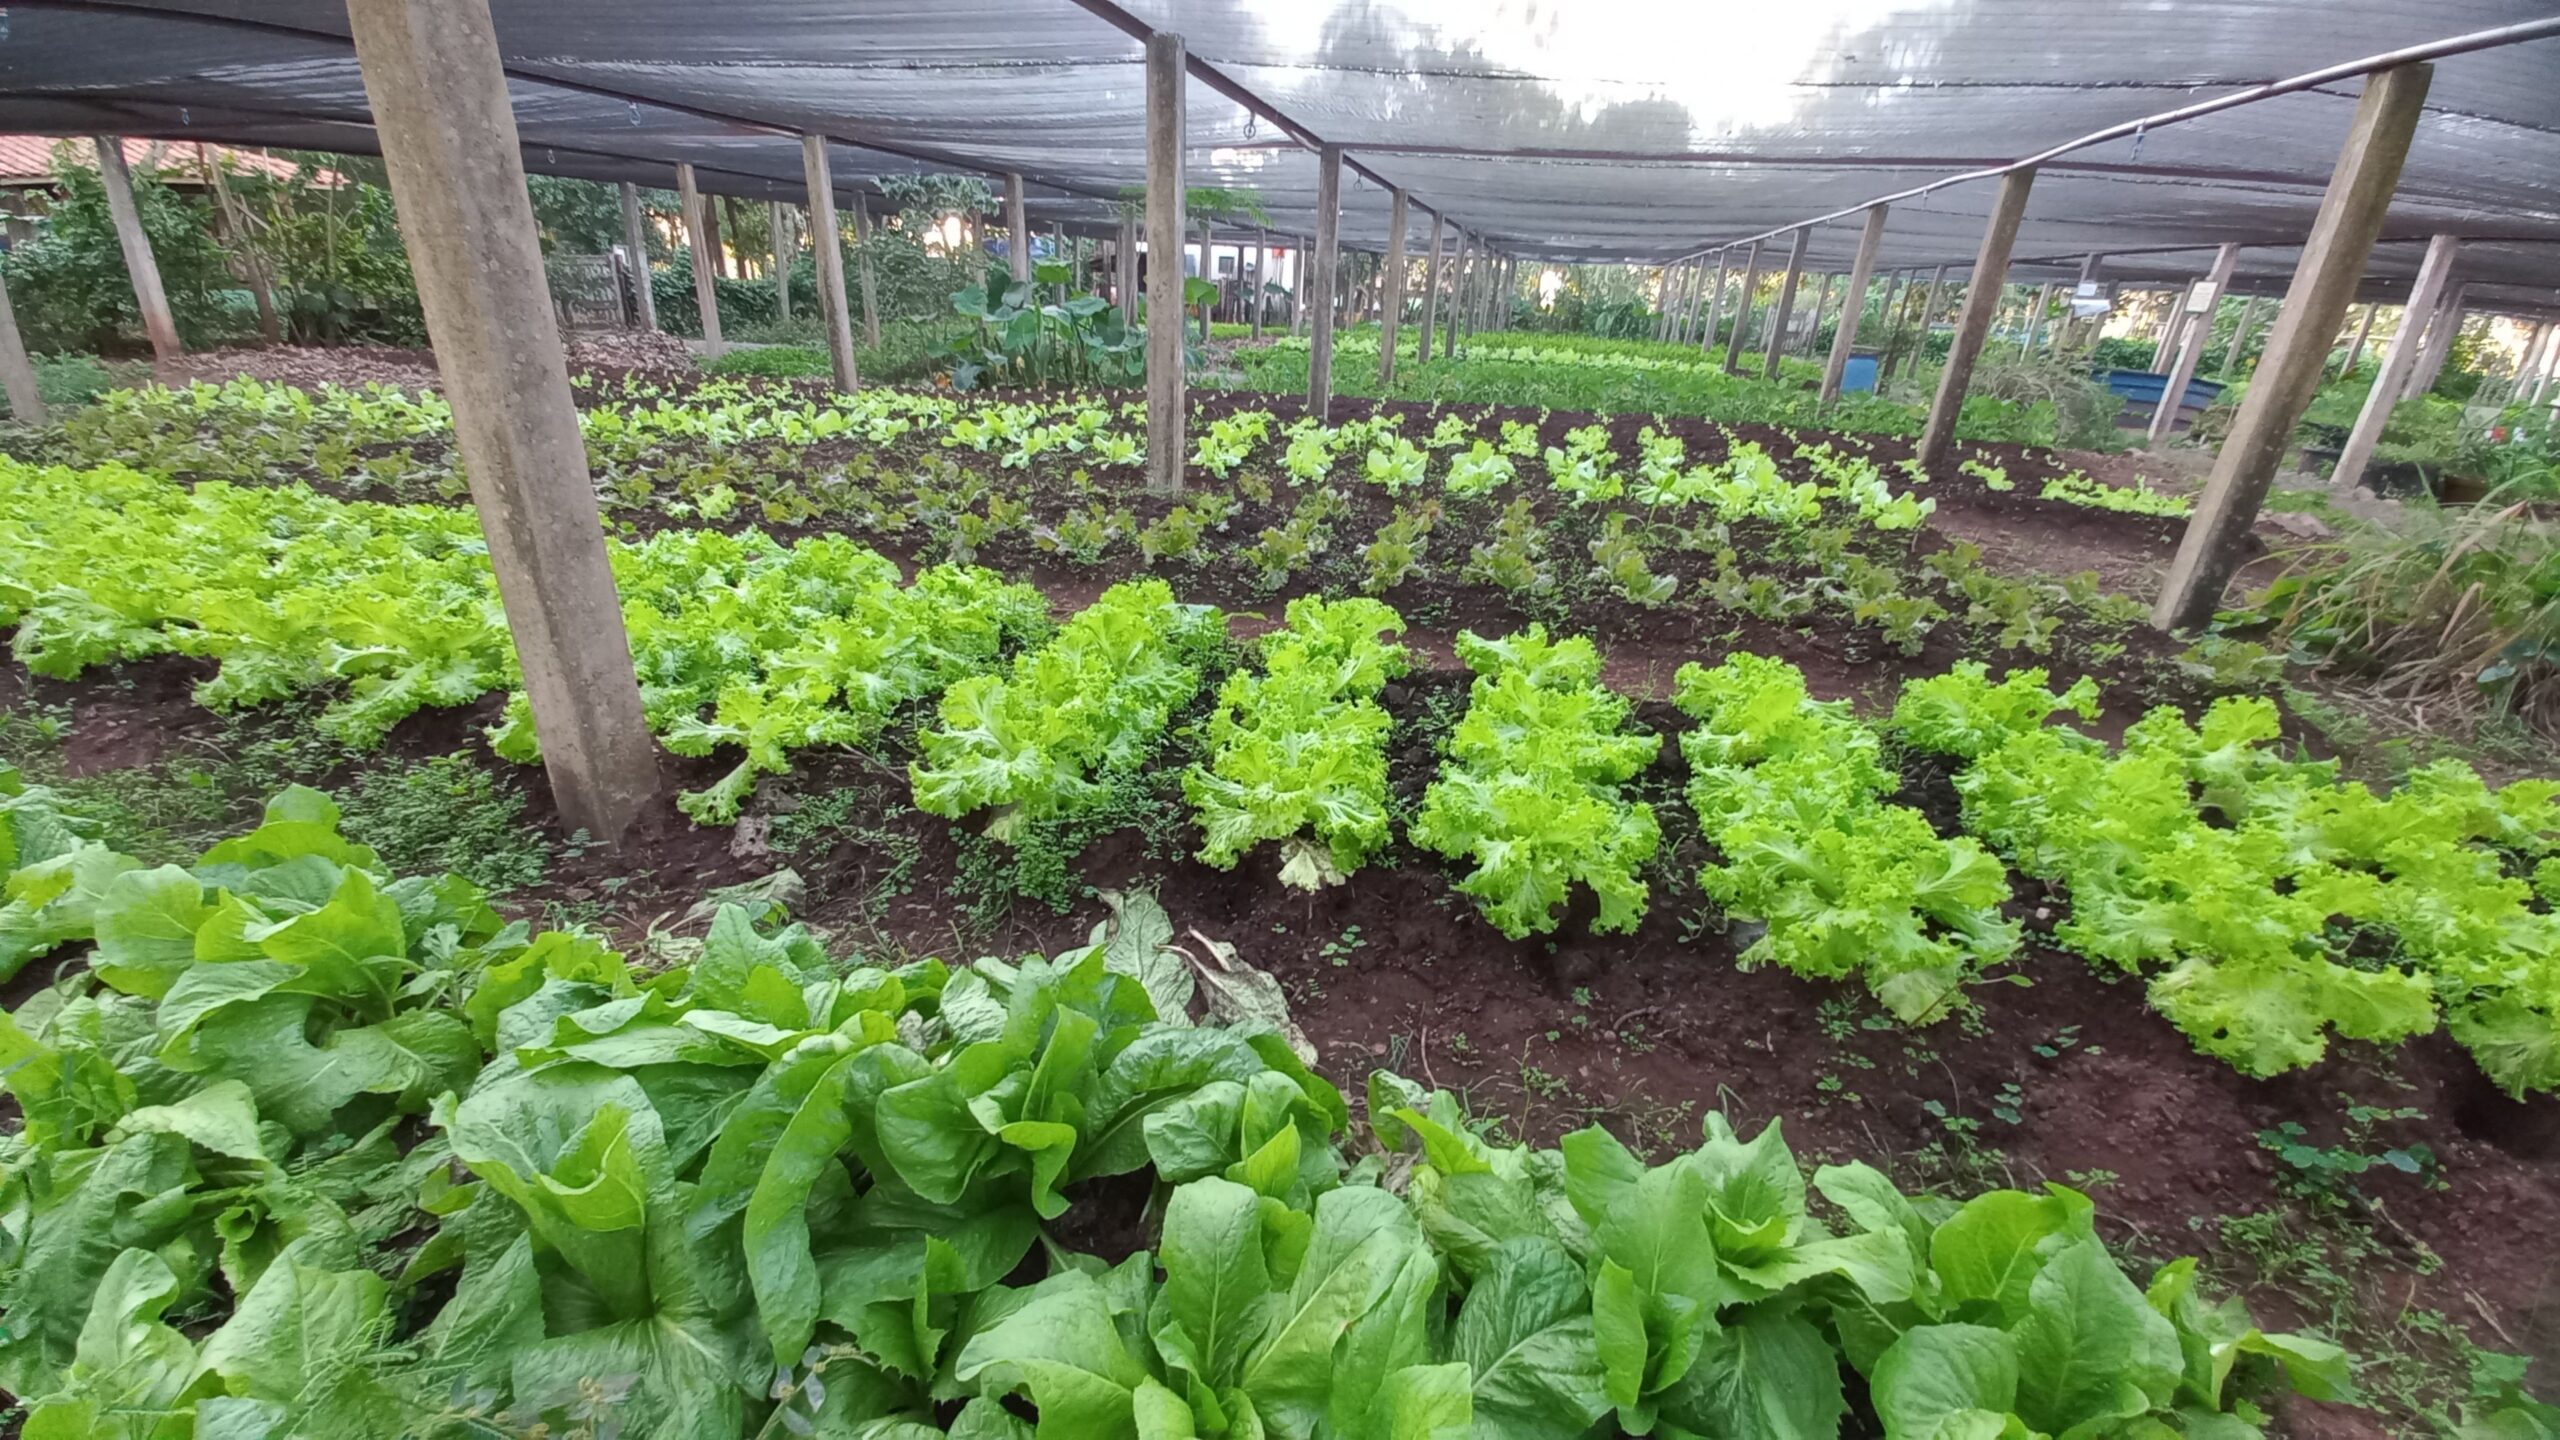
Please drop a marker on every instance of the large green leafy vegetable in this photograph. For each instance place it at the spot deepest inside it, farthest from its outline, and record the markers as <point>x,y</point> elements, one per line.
<point>1530,794</point>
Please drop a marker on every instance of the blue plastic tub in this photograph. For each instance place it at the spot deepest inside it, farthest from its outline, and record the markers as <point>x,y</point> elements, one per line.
<point>1859,374</point>
<point>2140,390</point>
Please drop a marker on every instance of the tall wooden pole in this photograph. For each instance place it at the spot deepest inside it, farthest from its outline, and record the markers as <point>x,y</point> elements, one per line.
<point>2399,363</point>
<point>1430,293</point>
<point>1328,261</point>
<point>697,230</point>
<point>440,109</point>
<point>2441,334</point>
<point>2199,334</point>
<point>1742,312</point>
<point>1208,273</point>
<point>1128,267</point>
<point>1715,304</point>
<point>1785,309</point>
<point>2040,310</point>
<point>1457,279</point>
<point>1981,297</point>
<point>232,227</point>
<point>1391,290</point>
<point>635,238</point>
<point>151,300</point>
<point>17,372</point>
<point>2240,337</point>
<point>778,222</point>
<point>1261,276</point>
<point>1017,228</point>
<point>1853,303</point>
<point>829,245</point>
<point>2341,240</point>
<point>1166,60</point>
<point>862,267</point>
<point>2364,332</point>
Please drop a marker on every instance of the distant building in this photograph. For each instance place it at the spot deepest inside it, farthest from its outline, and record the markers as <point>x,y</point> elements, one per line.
<point>28,178</point>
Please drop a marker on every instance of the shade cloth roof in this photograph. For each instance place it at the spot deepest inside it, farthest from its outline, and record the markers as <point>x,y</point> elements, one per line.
<point>1596,130</point>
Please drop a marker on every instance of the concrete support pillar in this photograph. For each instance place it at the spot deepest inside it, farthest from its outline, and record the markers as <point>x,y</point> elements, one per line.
<point>1430,293</point>
<point>2441,333</point>
<point>2199,334</point>
<point>1017,228</point>
<point>2240,337</point>
<point>1166,444</point>
<point>2341,240</point>
<point>440,107</point>
<point>1784,310</point>
<point>785,250</point>
<point>17,372</point>
<point>1742,312</point>
<point>135,242</point>
<point>1391,291</point>
<point>697,231</point>
<point>1853,303</point>
<point>823,237</point>
<point>635,238</point>
<point>1328,260</point>
<point>863,268</point>
<point>1981,297</point>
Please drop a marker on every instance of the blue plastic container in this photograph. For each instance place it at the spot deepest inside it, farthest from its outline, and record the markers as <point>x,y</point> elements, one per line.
<point>1859,374</point>
<point>2140,390</point>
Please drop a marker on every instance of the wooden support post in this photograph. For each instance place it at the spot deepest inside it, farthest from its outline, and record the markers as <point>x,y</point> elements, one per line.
<point>1742,312</point>
<point>1127,264</point>
<point>1430,294</point>
<point>635,238</point>
<point>1784,310</point>
<point>2364,332</point>
<point>1261,276</point>
<point>1821,311</point>
<point>712,246</point>
<point>1391,291</point>
<point>2341,240</point>
<point>1017,228</point>
<point>2043,329</point>
<point>1328,261</point>
<point>440,108</point>
<point>2399,363</point>
<point>231,224</point>
<point>1166,60</point>
<point>1065,253</point>
<point>17,372</point>
<point>2442,331</point>
<point>135,242</point>
<point>2199,328</point>
<point>862,267</point>
<point>829,244</point>
<point>1981,296</point>
<point>1715,304</point>
<point>1207,272</point>
<point>1918,354</point>
<point>778,220</point>
<point>1457,291</point>
<point>1853,303</point>
<point>697,229</point>
<point>2240,337</point>
<point>2550,369</point>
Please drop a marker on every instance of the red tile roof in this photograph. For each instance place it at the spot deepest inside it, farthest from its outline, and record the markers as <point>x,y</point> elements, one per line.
<point>28,159</point>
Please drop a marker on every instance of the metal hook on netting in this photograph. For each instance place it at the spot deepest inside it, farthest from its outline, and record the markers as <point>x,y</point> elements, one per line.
<point>186,117</point>
<point>2140,128</point>
<point>635,111</point>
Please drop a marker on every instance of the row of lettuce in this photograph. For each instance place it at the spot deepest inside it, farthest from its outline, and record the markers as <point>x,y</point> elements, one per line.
<point>640,432</point>
<point>311,1149</point>
<point>2269,906</point>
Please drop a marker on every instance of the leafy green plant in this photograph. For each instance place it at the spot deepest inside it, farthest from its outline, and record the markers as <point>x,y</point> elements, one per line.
<point>1022,339</point>
<point>1530,794</point>
<point>1297,753</point>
